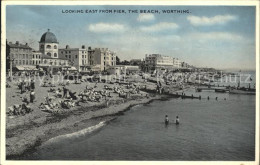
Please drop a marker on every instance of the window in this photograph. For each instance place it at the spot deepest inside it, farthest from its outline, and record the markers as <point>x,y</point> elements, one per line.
<point>49,54</point>
<point>23,62</point>
<point>83,52</point>
<point>27,56</point>
<point>55,63</point>
<point>36,62</point>
<point>61,52</point>
<point>20,62</point>
<point>39,62</point>
<point>69,51</point>
<point>82,56</point>
<point>85,56</point>
<point>76,56</point>
<point>45,61</point>
<point>42,46</point>
<point>69,56</point>
<point>48,46</point>
<point>66,52</point>
<point>66,56</point>
<point>33,62</point>
<point>55,46</point>
<point>112,63</point>
<point>23,56</point>
<point>55,54</point>
<point>33,56</point>
<point>104,58</point>
<point>104,63</point>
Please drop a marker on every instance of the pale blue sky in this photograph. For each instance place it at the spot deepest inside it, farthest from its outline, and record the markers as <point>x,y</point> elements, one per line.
<point>209,36</point>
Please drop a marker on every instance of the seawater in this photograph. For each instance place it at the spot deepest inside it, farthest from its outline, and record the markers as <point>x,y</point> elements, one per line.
<point>209,130</point>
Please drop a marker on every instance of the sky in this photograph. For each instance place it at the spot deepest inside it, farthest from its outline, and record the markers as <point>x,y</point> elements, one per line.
<point>222,37</point>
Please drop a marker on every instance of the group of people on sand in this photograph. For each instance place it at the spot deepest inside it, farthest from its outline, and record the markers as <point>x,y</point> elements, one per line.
<point>167,121</point>
<point>23,108</point>
<point>26,86</point>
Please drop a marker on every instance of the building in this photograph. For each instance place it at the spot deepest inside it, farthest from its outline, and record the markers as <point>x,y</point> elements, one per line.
<point>101,58</point>
<point>78,57</point>
<point>18,56</point>
<point>48,44</point>
<point>123,69</point>
<point>157,61</point>
<point>50,59</point>
<point>36,57</point>
<point>177,63</point>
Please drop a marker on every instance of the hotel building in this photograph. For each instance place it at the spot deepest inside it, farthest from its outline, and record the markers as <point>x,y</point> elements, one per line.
<point>78,57</point>
<point>101,59</point>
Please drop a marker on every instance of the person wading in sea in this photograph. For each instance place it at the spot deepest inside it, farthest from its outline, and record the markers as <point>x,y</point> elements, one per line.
<point>166,120</point>
<point>177,120</point>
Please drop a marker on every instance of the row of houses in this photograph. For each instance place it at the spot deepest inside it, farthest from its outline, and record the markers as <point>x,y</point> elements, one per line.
<point>157,61</point>
<point>82,59</point>
<point>50,55</point>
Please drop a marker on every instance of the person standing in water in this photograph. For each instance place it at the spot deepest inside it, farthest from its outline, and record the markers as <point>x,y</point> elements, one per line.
<point>177,120</point>
<point>166,120</point>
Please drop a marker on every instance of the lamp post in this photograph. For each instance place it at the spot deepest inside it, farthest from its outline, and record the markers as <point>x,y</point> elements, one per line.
<point>11,68</point>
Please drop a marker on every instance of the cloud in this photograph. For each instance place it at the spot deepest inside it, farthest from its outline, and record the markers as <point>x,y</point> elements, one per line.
<point>145,17</point>
<point>160,27</point>
<point>223,36</point>
<point>209,21</point>
<point>107,28</point>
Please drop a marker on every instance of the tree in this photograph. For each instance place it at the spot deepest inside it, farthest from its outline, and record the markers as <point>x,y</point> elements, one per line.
<point>117,60</point>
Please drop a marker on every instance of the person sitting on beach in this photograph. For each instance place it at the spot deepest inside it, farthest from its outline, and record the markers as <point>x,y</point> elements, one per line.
<point>166,120</point>
<point>177,120</point>
<point>73,95</point>
<point>58,93</point>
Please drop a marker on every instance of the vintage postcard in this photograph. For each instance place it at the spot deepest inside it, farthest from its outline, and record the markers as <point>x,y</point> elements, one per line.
<point>102,82</point>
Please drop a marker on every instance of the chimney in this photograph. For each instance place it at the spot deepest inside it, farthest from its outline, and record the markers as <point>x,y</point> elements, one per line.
<point>89,48</point>
<point>17,42</point>
<point>67,47</point>
<point>83,46</point>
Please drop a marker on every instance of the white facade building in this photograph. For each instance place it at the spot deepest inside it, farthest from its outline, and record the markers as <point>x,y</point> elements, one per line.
<point>78,57</point>
<point>48,44</point>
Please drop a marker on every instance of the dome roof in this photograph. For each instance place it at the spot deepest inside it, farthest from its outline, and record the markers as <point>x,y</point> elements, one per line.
<point>48,37</point>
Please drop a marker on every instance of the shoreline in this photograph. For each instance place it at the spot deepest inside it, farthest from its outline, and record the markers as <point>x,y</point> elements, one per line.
<point>74,124</point>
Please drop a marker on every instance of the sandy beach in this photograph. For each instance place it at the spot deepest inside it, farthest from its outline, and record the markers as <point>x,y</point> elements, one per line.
<point>25,132</point>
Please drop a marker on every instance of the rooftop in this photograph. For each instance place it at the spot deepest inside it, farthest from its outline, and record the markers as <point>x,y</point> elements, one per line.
<point>18,45</point>
<point>48,37</point>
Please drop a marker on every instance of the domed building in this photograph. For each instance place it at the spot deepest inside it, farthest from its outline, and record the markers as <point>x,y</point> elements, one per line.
<point>48,44</point>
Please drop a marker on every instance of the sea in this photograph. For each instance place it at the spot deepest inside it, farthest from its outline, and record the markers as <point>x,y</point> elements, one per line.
<point>221,129</point>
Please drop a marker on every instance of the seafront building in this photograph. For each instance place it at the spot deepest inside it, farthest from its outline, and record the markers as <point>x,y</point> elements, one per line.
<point>78,57</point>
<point>48,44</point>
<point>20,54</point>
<point>52,58</point>
<point>36,57</point>
<point>101,59</point>
<point>158,61</point>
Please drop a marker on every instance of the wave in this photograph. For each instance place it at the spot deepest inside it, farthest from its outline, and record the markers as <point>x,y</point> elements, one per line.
<point>74,135</point>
